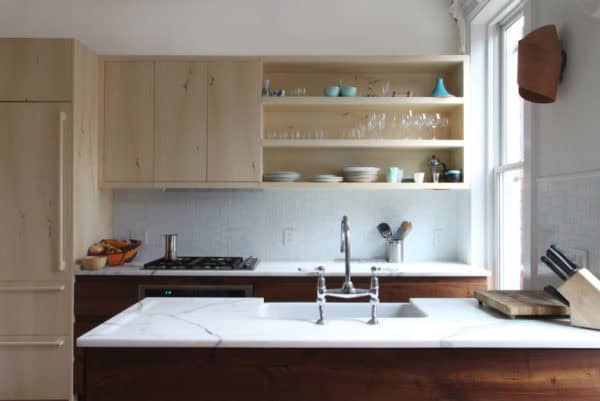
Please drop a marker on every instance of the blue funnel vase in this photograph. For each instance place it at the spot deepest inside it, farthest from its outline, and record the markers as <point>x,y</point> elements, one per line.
<point>440,90</point>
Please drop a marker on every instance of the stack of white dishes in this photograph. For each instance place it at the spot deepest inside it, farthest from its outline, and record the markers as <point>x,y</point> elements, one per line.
<point>361,174</point>
<point>326,178</point>
<point>281,176</point>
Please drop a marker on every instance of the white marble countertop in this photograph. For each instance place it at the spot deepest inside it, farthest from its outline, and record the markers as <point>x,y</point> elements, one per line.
<point>246,323</point>
<point>307,268</point>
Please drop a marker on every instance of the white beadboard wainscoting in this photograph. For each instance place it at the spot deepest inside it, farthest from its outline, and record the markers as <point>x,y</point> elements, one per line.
<point>568,214</point>
<point>251,222</point>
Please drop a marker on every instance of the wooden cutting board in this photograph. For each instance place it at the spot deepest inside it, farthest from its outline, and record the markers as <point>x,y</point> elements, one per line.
<point>522,303</point>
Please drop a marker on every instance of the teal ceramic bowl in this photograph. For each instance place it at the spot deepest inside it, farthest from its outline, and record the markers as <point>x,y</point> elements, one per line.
<point>348,91</point>
<point>332,91</point>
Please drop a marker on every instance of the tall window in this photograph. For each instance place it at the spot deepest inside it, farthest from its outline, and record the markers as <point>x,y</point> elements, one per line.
<point>510,154</point>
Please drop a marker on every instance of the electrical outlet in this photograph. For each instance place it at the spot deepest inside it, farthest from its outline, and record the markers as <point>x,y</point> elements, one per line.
<point>579,256</point>
<point>289,236</point>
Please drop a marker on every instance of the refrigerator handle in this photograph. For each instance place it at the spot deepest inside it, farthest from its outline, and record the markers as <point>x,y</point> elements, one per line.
<point>61,234</point>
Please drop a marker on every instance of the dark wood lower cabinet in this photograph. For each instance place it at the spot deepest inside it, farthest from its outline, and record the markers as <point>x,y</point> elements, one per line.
<point>98,298</point>
<point>160,374</point>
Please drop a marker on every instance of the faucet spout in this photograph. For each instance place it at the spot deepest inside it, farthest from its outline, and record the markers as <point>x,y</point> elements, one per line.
<point>348,287</point>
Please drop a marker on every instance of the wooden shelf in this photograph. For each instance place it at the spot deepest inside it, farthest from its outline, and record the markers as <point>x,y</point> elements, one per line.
<point>349,103</point>
<point>364,143</point>
<point>370,186</point>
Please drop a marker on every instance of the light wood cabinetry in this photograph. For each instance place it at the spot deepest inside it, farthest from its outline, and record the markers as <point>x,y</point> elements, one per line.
<point>38,70</point>
<point>51,208</point>
<point>35,209</point>
<point>128,122</point>
<point>177,123</point>
<point>180,122</point>
<point>234,121</point>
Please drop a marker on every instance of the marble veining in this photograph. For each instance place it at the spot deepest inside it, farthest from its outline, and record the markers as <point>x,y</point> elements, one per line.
<point>242,323</point>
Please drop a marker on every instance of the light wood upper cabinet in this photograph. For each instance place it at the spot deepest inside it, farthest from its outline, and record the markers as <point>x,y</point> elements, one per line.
<point>36,70</point>
<point>234,121</point>
<point>180,122</point>
<point>129,122</point>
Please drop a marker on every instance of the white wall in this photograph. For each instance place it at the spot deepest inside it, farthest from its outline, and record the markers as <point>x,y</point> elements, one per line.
<point>239,26</point>
<point>566,143</point>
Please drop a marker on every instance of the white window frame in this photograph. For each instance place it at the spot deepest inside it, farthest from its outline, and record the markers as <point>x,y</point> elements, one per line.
<point>484,43</point>
<point>500,166</point>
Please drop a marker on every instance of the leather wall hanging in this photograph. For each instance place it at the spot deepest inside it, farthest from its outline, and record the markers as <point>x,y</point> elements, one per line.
<point>541,63</point>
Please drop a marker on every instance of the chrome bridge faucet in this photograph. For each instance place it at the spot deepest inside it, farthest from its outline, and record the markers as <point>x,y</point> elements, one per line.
<point>347,291</point>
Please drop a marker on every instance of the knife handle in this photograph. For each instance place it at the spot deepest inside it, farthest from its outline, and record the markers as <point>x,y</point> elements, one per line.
<point>555,269</point>
<point>559,262</point>
<point>556,295</point>
<point>560,253</point>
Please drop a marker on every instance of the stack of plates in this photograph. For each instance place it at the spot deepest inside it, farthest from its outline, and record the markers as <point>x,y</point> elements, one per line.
<point>361,174</point>
<point>281,176</point>
<point>326,178</point>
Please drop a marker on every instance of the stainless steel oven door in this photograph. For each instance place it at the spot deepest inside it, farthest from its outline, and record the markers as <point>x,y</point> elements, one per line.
<point>194,291</point>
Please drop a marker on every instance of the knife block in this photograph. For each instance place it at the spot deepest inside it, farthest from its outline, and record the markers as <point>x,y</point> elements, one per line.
<point>582,291</point>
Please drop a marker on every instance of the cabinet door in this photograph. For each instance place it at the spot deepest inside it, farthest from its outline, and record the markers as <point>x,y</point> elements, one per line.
<point>35,368</point>
<point>180,122</point>
<point>35,212</point>
<point>36,70</point>
<point>234,121</point>
<point>128,122</point>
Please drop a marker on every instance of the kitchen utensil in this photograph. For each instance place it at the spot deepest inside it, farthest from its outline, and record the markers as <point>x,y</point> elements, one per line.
<point>332,91</point>
<point>170,247</point>
<point>555,294</point>
<point>348,91</point>
<point>281,176</point>
<point>326,178</point>
<point>562,254</point>
<point>552,267</point>
<point>361,174</point>
<point>522,303</point>
<point>560,263</point>
<point>419,177</point>
<point>394,252</point>
<point>452,176</point>
<point>266,91</point>
<point>392,175</point>
<point>582,290</point>
<point>92,262</point>
<point>404,229</point>
<point>385,230</point>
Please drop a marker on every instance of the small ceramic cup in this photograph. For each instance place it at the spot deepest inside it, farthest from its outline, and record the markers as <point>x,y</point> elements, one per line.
<point>392,175</point>
<point>419,177</point>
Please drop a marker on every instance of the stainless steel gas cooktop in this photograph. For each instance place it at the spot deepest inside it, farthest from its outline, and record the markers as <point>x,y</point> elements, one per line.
<point>203,263</point>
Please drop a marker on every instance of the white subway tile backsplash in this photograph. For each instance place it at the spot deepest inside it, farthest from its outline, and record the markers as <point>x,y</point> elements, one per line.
<point>251,222</point>
<point>568,214</point>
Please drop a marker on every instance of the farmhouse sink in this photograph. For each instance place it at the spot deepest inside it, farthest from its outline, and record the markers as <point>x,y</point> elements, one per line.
<point>337,311</point>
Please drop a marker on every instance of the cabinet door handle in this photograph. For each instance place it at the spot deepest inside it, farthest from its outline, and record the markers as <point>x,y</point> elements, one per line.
<point>33,288</point>
<point>211,81</point>
<point>59,342</point>
<point>61,140</point>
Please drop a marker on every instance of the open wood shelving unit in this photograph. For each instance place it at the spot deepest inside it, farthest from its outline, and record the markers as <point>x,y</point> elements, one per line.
<point>394,147</point>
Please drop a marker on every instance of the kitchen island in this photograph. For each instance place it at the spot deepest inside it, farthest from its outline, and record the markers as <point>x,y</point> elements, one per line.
<point>430,349</point>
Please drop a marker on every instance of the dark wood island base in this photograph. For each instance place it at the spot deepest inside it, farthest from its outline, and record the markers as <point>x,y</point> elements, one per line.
<point>202,374</point>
